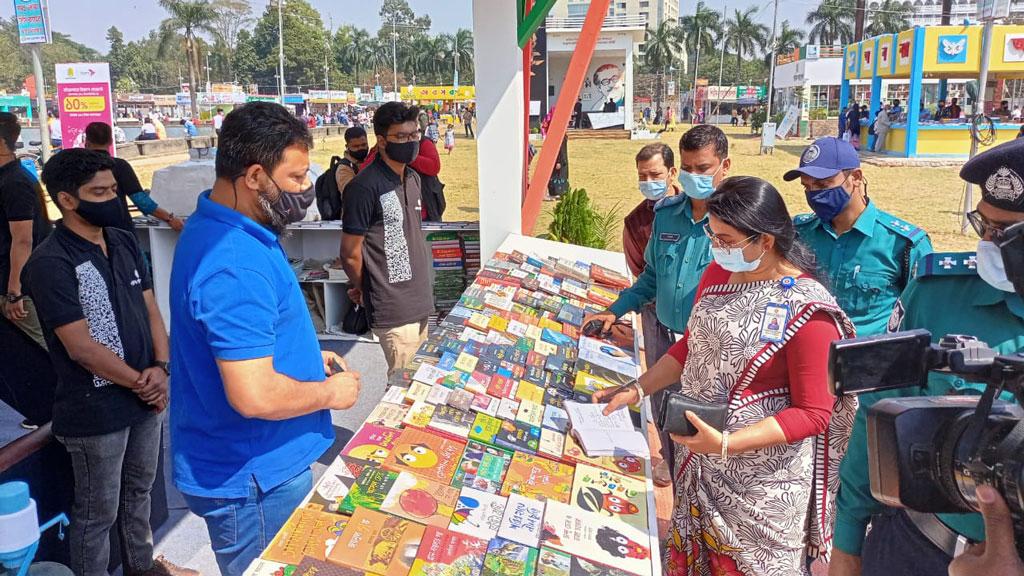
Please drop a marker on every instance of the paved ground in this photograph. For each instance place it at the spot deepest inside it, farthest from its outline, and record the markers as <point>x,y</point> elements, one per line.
<point>183,538</point>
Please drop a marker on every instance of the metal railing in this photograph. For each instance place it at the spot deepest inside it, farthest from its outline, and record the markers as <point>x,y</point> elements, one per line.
<point>576,22</point>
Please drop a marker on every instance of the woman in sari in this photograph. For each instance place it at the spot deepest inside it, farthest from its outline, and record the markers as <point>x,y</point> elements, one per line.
<point>756,498</point>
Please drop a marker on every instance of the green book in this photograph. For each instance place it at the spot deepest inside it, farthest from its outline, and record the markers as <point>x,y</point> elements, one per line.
<point>484,428</point>
<point>369,490</point>
<point>507,558</point>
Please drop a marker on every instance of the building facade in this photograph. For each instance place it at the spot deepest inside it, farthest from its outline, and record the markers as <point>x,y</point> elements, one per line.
<point>929,12</point>
<point>653,12</point>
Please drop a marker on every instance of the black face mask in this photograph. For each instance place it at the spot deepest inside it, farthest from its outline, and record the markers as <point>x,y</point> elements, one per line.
<point>101,214</point>
<point>359,154</point>
<point>291,206</point>
<point>403,153</point>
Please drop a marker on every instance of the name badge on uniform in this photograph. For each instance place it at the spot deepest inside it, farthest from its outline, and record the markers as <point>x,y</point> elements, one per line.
<point>773,324</point>
<point>668,237</point>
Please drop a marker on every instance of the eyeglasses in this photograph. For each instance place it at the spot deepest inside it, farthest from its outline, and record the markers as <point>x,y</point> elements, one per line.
<point>403,137</point>
<point>982,227</point>
<point>718,243</point>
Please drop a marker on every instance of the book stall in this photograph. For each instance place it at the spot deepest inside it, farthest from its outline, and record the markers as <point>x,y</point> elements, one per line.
<point>485,455</point>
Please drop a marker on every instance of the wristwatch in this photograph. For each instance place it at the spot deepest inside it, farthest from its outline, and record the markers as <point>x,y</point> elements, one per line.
<point>165,366</point>
<point>13,298</point>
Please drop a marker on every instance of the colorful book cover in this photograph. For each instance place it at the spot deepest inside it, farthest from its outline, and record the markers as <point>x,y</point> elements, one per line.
<point>379,543</point>
<point>557,338</point>
<point>610,494</point>
<point>369,489</point>
<point>552,443</point>
<point>425,454</point>
<point>507,408</point>
<point>538,477</point>
<point>417,391</point>
<point>308,532</point>
<point>478,513</point>
<point>419,414</point>
<point>597,538</point>
<point>518,436</point>
<point>482,467</point>
<point>530,413</point>
<point>544,347</point>
<point>529,391</point>
<point>484,428</point>
<point>387,414</point>
<point>452,422</point>
<point>555,363</point>
<point>508,558</point>
<point>446,553</point>
<point>607,277</point>
<point>261,567</point>
<point>555,418</point>
<point>312,567</point>
<point>466,363</point>
<point>522,521</point>
<point>421,500</point>
<point>438,394</point>
<point>484,404</point>
<point>428,374</point>
<point>557,563</point>
<point>461,399</point>
<point>501,386</point>
<point>455,380</point>
<point>394,395</point>
<point>631,466</point>
<point>333,486</point>
<point>370,446</point>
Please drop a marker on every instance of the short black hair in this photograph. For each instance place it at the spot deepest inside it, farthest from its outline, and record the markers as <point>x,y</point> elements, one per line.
<point>257,133</point>
<point>72,168</point>
<point>10,129</point>
<point>703,135</point>
<point>657,149</point>
<point>99,133</point>
<point>354,132</point>
<point>392,113</point>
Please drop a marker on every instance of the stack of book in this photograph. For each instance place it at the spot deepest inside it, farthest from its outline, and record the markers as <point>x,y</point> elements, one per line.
<point>469,465</point>
<point>449,268</point>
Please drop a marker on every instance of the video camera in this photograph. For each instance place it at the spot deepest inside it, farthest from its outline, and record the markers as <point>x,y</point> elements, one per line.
<point>929,453</point>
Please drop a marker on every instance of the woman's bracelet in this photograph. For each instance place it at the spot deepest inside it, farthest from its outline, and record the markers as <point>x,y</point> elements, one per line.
<point>725,446</point>
<point>639,390</point>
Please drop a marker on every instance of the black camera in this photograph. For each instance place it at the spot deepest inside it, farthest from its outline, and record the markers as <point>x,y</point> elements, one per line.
<point>929,453</point>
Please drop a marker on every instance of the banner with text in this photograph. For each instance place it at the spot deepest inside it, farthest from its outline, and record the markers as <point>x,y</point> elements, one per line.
<point>83,96</point>
<point>33,19</point>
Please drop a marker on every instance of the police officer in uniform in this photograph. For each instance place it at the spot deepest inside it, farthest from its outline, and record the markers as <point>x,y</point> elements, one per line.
<point>951,293</point>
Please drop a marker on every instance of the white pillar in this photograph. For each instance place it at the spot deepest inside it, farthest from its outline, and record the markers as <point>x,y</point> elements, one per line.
<point>628,108</point>
<point>499,131</point>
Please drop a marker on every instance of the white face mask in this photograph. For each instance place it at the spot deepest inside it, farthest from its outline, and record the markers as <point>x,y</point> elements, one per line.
<point>990,266</point>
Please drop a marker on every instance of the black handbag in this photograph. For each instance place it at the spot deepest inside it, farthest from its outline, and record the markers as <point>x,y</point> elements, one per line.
<point>672,417</point>
<point>356,320</point>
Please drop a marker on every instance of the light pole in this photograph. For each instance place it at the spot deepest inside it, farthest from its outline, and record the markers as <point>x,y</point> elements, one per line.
<point>696,66</point>
<point>771,72</point>
<point>327,78</point>
<point>394,52</point>
<point>280,49</point>
<point>721,66</point>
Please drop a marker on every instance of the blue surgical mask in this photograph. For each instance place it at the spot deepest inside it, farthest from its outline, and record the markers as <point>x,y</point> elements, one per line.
<point>828,203</point>
<point>732,259</point>
<point>653,189</point>
<point>699,186</point>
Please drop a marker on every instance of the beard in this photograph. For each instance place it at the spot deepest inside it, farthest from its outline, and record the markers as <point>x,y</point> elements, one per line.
<point>274,220</point>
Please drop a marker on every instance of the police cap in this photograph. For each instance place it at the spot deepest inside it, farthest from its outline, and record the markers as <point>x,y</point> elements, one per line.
<point>998,172</point>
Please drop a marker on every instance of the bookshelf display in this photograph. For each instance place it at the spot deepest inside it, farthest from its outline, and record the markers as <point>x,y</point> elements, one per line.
<point>480,411</point>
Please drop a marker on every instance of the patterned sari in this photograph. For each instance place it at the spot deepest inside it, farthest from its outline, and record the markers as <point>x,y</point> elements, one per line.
<point>762,512</point>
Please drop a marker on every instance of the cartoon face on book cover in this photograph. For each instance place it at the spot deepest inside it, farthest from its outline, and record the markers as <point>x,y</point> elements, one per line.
<point>425,454</point>
<point>610,494</point>
<point>596,538</point>
<point>370,446</point>
<point>629,465</point>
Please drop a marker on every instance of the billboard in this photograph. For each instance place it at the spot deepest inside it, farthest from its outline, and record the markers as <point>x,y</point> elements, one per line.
<point>83,97</point>
<point>33,18</point>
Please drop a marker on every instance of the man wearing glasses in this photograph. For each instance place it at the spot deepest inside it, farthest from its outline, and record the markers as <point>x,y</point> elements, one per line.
<point>951,293</point>
<point>383,250</point>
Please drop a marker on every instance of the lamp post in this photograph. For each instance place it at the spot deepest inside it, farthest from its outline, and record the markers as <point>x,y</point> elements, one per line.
<point>280,49</point>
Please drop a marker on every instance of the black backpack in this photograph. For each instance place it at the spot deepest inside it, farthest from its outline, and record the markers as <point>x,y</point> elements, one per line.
<point>328,197</point>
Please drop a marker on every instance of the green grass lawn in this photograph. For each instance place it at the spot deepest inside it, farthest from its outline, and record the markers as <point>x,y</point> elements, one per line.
<point>928,197</point>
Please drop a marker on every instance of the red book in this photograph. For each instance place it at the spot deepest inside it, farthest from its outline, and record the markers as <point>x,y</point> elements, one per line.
<point>441,551</point>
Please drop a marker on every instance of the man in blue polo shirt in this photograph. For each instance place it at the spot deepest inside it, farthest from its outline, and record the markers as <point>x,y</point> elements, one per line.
<point>252,392</point>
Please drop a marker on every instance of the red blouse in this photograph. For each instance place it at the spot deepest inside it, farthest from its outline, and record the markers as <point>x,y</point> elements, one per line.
<point>801,365</point>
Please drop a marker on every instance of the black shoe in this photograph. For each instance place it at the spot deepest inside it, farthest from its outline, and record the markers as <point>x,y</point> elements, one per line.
<point>29,425</point>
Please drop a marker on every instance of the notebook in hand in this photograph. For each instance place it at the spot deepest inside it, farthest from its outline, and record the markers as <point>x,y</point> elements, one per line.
<point>601,435</point>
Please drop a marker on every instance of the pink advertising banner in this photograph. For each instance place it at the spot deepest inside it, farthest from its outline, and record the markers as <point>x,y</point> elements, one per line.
<point>83,97</point>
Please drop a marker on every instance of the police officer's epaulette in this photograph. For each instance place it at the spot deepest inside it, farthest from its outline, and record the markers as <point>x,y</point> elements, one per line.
<point>803,219</point>
<point>902,227</point>
<point>947,264</point>
<point>670,201</point>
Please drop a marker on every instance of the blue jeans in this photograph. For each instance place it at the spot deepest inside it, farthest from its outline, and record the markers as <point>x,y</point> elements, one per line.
<point>241,528</point>
<point>896,546</point>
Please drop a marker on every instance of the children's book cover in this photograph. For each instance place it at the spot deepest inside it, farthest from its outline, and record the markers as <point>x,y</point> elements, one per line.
<point>538,477</point>
<point>530,413</point>
<point>379,543</point>
<point>333,486</point>
<point>370,446</point>
<point>312,567</point>
<point>451,422</point>
<point>308,532</point>
<point>478,513</point>
<point>484,404</point>
<point>369,489</point>
<point>610,494</point>
<point>508,558</point>
<point>555,418</point>
<point>417,391</point>
<point>485,428</point>
<point>557,563</point>
<point>597,538</point>
<point>552,443</point>
<point>522,521</point>
<point>461,399</point>
<point>530,391</point>
<point>631,466</point>
<point>501,386</point>
<point>482,467</point>
<point>425,454</point>
<point>421,500</point>
<point>446,553</point>
<point>507,408</point>
<point>419,414</point>
<point>387,414</point>
<point>518,436</point>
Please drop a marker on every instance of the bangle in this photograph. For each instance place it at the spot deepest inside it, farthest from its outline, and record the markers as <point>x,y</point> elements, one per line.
<point>639,390</point>
<point>725,446</point>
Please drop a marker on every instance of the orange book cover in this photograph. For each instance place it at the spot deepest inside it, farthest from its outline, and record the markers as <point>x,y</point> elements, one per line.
<point>631,466</point>
<point>377,542</point>
<point>305,534</point>
<point>538,477</point>
<point>426,454</point>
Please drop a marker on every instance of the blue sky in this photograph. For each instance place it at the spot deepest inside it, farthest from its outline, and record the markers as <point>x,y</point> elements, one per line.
<point>87,20</point>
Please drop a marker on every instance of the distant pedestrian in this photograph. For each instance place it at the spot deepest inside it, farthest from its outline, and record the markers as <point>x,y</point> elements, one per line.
<point>190,128</point>
<point>218,120</point>
<point>148,131</point>
<point>735,120</point>
<point>577,113</point>
<point>432,131</point>
<point>449,139</point>
<point>467,122</point>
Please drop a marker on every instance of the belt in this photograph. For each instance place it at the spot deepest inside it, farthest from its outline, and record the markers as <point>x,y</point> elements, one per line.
<point>943,537</point>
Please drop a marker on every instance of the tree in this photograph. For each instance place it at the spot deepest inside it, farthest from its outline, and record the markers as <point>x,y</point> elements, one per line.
<point>831,22</point>
<point>462,45</point>
<point>663,47</point>
<point>890,17</point>
<point>304,45</point>
<point>703,28</point>
<point>745,34</point>
<point>233,16</point>
<point>786,40</point>
<point>354,50</point>
<point>188,19</point>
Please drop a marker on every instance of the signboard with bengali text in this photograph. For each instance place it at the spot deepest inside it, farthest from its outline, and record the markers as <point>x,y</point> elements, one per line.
<point>83,97</point>
<point>33,20</point>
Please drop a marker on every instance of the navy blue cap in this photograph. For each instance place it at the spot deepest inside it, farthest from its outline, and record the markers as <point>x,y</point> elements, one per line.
<point>999,172</point>
<point>824,159</point>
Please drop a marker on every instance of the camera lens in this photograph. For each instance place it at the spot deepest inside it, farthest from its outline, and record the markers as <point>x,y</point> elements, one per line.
<point>968,473</point>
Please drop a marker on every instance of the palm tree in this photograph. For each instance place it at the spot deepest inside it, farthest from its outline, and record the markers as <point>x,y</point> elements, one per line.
<point>463,48</point>
<point>187,19</point>
<point>831,22</point>
<point>663,47</point>
<point>744,34</point>
<point>703,28</point>
<point>786,40</point>
<point>889,18</point>
<point>355,51</point>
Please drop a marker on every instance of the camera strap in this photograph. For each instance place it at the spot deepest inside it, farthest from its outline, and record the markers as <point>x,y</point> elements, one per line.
<point>943,537</point>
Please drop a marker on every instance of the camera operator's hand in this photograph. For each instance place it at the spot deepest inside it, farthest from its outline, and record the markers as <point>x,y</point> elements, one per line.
<point>843,564</point>
<point>997,554</point>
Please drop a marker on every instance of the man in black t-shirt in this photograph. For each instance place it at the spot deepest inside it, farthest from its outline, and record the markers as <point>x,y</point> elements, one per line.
<point>109,348</point>
<point>383,249</point>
